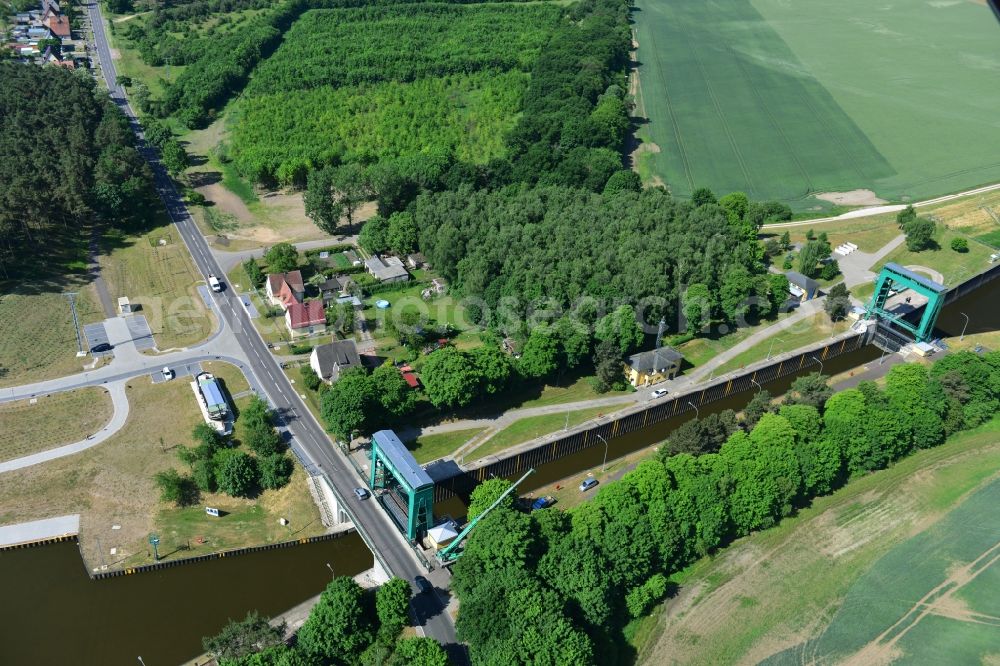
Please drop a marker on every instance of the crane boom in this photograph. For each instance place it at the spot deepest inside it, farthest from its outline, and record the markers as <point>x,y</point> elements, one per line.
<point>450,554</point>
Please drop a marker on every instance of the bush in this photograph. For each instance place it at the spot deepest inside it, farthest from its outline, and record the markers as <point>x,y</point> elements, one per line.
<point>640,599</point>
<point>300,349</point>
<point>238,475</point>
<point>959,245</point>
<point>310,378</point>
<point>254,274</point>
<point>176,488</point>
<point>275,471</point>
<point>195,198</point>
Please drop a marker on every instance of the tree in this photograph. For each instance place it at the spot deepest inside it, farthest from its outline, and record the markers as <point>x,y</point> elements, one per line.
<point>493,367</point>
<point>350,189</point>
<point>346,406</point>
<point>449,378</point>
<point>734,294</point>
<point>374,235</point>
<point>337,627</point>
<point>621,328</point>
<point>238,475</point>
<point>281,258</point>
<point>830,270</point>
<point>401,234</point>
<point>539,355</point>
<point>392,605</point>
<point>702,196</point>
<point>207,439</point>
<point>418,651</point>
<point>174,157</point>
<point>759,405</point>
<point>810,389</point>
<point>318,200</point>
<point>181,490</point>
<point>625,180</point>
<point>919,234</point>
<point>259,433</point>
<point>486,493</point>
<point>786,242</point>
<point>838,302</point>
<point>811,254</point>
<point>394,395</point>
<point>310,378</point>
<point>698,307</point>
<point>906,216</point>
<point>240,638</point>
<point>960,245</point>
<point>577,568</point>
<point>641,598</point>
<point>254,274</point>
<point>275,471</point>
<point>609,371</point>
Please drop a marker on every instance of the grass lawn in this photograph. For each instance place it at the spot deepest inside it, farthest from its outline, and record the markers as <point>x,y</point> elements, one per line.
<point>162,279</point>
<point>954,266</point>
<point>579,388</point>
<point>529,428</point>
<point>37,338</point>
<point>727,86</point>
<point>868,233</point>
<point>775,589</point>
<point>701,350</point>
<point>802,333</point>
<point>443,309</point>
<point>431,447</point>
<point>111,485</point>
<point>27,428</point>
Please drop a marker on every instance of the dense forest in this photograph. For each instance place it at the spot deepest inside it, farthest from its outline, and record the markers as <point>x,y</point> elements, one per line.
<point>530,244</point>
<point>66,157</point>
<point>559,587</point>
<point>347,47</point>
<point>280,137</point>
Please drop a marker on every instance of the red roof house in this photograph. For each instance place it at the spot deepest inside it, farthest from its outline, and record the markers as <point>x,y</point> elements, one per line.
<point>58,26</point>
<point>305,318</point>
<point>411,380</point>
<point>285,288</point>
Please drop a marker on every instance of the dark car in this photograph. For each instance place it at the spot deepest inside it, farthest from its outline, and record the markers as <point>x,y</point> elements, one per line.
<point>103,347</point>
<point>542,503</point>
<point>423,585</point>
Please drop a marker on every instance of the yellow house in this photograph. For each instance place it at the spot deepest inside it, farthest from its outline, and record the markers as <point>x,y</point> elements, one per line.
<point>652,367</point>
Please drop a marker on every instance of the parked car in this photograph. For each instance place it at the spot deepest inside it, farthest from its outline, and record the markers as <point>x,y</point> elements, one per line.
<point>361,493</point>
<point>542,503</point>
<point>103,347</point>
<point>659,393</point>
<point>168,374</point>
<point>588,484</point>
<point>423,585</point>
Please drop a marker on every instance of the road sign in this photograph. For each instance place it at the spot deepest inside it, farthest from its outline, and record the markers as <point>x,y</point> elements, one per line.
<point>212,512</point>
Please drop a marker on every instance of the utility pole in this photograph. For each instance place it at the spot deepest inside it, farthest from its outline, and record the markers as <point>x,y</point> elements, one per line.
<point>154,541</point>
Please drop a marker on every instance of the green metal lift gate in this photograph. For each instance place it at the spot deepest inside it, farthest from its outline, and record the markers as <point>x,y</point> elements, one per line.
<point>391,458</point>
<point>895,277</point>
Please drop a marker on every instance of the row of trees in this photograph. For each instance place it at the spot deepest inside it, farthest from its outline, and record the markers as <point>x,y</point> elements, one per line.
<point>347,626</point>
<point>217,465</point>
<point>67,158</point>
<point>558,587</point>
<point>371,44</point>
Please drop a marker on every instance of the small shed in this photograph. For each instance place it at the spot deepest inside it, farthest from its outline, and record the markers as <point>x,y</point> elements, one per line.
<point>124,307</point>
<point>441,535</point>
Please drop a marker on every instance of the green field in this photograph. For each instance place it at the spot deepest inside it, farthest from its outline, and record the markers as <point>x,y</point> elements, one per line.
<point>932,599</point>
<point>789,99</point>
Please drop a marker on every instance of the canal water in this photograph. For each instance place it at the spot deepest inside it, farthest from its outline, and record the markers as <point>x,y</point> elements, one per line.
<point>52,612</point>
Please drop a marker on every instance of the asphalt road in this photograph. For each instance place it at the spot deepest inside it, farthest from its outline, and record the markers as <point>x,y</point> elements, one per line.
<point>309,439</point>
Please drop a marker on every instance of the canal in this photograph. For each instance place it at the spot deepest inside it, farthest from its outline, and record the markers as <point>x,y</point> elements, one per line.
<point>54,613</point>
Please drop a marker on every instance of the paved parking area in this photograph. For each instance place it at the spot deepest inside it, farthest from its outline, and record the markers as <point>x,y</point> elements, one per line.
<point>96,335</point>
<point>250,307</point>
<point>206,295</point>
<point>180,371</point>
<point>138,328</point>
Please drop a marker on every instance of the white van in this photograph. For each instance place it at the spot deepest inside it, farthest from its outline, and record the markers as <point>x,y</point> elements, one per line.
<point>214,283</point>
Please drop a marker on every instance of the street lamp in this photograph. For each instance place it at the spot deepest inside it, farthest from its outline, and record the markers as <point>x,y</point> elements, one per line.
<point>813,357</point>
<point>141,661</point>
<point>962,337</point>
<point>332,574</point>
<point>880,358</point>
<point>605,462</point>
<point>759,387</point>
<point>697,414</point>
<point>772,347</point>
